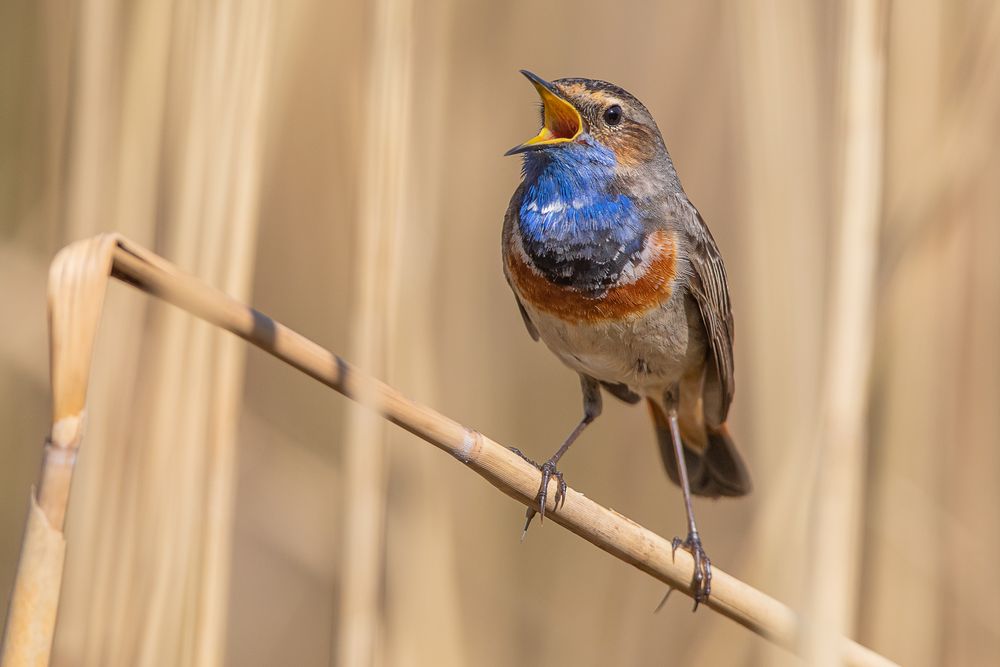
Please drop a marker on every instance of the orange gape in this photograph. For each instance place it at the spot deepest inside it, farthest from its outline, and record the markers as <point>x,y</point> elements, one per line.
<point>621,301</point>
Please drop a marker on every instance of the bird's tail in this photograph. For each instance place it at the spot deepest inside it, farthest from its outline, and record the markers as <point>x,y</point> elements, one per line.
<point>715,468</point>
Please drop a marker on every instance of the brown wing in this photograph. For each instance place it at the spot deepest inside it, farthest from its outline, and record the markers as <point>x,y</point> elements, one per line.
<point>710,289</point>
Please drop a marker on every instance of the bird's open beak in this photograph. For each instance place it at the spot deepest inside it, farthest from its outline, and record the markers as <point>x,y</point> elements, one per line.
<point>562,122</point>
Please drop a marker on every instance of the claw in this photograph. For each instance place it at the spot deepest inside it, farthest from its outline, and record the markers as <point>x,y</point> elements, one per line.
<point>528,516</point>
<point>701,581</point>
<point>523,455</point>
<point>542,497</point>
<point>664,600</point>
<point>561,489</point>
<point>548,470</point>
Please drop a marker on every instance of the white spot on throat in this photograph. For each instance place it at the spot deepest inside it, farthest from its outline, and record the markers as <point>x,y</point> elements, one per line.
<point>557,205</point>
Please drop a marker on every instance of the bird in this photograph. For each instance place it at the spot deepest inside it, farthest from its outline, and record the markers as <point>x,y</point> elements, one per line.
<point>615,271</point>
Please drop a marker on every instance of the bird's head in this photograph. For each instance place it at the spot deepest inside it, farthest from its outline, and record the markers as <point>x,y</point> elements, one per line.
<point>587,113</point>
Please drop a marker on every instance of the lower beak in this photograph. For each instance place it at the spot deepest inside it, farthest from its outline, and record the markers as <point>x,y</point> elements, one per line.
<point>561,123</point>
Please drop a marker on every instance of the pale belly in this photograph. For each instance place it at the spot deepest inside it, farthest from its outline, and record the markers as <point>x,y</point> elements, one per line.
<point>647,352</point>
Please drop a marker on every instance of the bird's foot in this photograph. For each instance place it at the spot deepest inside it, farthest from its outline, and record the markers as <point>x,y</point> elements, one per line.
<point>549,471</point>
<point>701,583</point>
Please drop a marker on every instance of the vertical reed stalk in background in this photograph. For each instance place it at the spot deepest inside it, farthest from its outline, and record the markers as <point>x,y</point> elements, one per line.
<point>908,431</point>
<point>149,581</point>
<point>421,554</point>
<point>933,489</point>
<point>93,116</point>
<point>971,619</point>
<point>131,159</point>
<point>92,197</point>
<point>836,527</point>
<point>779,302</point>
<point>970,494</point>
<point>383,204</point>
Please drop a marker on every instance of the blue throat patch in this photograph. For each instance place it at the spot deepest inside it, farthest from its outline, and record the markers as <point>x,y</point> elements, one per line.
<point>574,225</point>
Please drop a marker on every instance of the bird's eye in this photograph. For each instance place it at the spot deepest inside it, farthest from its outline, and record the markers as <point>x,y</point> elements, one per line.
<point>613,115</point>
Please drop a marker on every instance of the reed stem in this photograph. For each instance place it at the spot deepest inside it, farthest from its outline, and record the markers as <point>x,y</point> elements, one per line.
<point>91,262</point>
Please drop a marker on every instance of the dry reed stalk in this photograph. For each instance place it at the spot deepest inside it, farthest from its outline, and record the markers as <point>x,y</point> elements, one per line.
<point>149,584</point>
<point>80,276</point>
<point>92,194</point>
<point>779,314</point>
<point>383,197</point>
<point>420,521</point>
<point>971,618</point>
<point>904,477</point>
<point>77,286</point>
<point>931,486</point>
<point>837,512</point>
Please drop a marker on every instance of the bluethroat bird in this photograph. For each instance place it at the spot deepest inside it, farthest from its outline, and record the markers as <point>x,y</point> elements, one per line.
<point>613,268</point>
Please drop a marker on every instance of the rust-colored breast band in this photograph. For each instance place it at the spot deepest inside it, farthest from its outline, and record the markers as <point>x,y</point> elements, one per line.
<point>651,289</point>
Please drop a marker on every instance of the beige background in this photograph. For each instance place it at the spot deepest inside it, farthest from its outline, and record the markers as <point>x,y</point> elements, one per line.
<point>254,143</point>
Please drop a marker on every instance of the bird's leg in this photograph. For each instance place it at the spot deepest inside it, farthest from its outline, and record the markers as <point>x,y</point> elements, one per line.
<point>701,585</point>
<point>591,410</point>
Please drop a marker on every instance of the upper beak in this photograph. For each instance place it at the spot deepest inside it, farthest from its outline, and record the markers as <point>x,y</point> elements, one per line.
<point>562,122</point>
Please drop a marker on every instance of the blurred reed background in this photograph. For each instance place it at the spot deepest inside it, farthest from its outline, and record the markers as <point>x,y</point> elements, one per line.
<point>338,165</point>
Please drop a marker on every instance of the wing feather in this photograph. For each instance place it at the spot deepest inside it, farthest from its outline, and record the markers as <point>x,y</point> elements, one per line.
<point>710,289</point>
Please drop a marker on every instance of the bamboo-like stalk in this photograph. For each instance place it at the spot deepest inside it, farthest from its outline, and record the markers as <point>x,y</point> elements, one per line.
<point>80,275</point>
<point>939,294</point>
<point>180,164</point>
<point>423,563</point>
<point>909,386</point>
<point>779,299</point>
<point>77,285</point>
<point>837,514</point>
<point>383,185</point>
